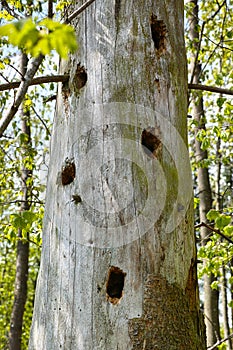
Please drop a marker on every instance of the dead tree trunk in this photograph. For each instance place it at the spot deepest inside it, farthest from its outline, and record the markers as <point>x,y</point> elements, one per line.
<point>118,264</point>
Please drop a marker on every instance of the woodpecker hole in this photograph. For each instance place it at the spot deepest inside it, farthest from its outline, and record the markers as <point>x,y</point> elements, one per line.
<point>115,284</point>
<point>80,77</point>
<point>158,32</point>
<point>68,172</point>
<point>151,142</point>
<point>157,83</point>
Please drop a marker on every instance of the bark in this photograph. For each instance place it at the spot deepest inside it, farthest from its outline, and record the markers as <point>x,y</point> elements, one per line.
<point>226,327</point>
<point>22,253</point>
<point>231,293</point>
<point>219,206</point>
<point>118,267</point>
<point>204,189</point>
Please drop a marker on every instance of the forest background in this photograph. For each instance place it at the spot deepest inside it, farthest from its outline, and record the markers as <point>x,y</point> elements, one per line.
<point>24,153</point>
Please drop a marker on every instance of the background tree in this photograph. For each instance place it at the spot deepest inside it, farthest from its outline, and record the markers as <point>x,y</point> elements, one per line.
<point>210,48</point>
<point>211,309</point>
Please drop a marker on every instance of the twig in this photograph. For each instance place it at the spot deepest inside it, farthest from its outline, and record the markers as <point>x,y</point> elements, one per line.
<point>41,120</point>
<point>220,342</point>
<point>214,230</point>
<point>4,78</point>
<point>17,71</point>
<point>210,88</point>
<point>79,10</point>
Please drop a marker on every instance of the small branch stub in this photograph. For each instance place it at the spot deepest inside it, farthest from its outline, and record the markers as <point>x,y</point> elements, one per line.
<point>115,285</point>
<point>76,198</point>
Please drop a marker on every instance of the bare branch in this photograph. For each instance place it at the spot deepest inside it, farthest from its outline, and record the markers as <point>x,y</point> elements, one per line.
<point>214,230</point>
<point>4,78</point>
<point>41,120</point>
<point>17,71</point>
<point>36,81</point>
<point>210,88</point>
<point>79,10</point>
<point>220,342</point>
<point>64,78</point>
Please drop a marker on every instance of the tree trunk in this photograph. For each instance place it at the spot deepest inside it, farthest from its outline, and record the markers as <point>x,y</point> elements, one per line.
<point>231,293</point>
<point>223,286</point>
<point>118,267</point>
<point>226,327</point>
<point>204,189</point>
<point>22,253</point>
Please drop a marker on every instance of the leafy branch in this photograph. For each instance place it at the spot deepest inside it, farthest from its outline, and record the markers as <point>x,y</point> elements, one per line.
<point>214,230</point>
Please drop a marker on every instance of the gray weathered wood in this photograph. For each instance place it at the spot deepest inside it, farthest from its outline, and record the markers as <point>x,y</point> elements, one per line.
<point>125,209</point>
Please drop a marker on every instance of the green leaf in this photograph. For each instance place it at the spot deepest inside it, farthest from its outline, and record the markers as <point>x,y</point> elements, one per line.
<point>222,221</point>
<point>52,35</point>
<point>214,285</point>
<point>61,37</point>
<point>196,202</point>
<point>205,143</point>
<point>216,130</point>
<point>212,215</point>
<point>228,230</point>
<point>17,221</point>
<point>220,101</point>
<point>200,135</point>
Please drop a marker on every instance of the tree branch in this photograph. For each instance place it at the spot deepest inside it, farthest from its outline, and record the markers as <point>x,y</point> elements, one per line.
<point>36,81</point>
<point>79,10</point>
<point>214,230</point>
<point>64,78</point>
<point>210,88</point>
<point>41,120</point>
<point>220,342</point>
<point>23,87</point>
